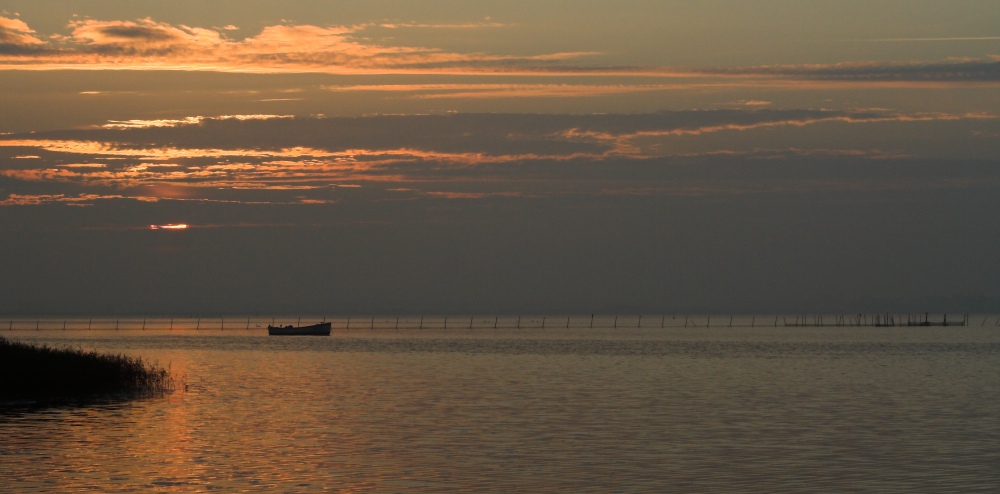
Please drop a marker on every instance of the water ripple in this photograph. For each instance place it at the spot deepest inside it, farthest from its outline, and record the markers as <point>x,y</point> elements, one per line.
<point>526,412</point>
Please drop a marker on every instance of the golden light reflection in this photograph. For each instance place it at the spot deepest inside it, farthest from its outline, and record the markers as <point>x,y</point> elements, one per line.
<point>169,226</point>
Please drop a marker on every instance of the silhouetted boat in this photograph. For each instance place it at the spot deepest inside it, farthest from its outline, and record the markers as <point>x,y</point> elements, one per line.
<point>321,329</point>
<point>927,321</point>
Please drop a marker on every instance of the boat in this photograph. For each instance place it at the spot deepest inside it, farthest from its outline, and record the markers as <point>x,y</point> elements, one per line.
<point>321,329</point>
<point>928,322</point>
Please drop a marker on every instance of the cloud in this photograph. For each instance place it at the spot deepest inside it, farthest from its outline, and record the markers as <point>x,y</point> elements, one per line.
<point>963,70</point>
<point>146,44</point>
<point>78,200</point>
<point>627,143</point>
<point>244,159</point>
<point>84,165</point>
<point>143,37</point>
<point>145,124</point>
<point>16,38</point>
<point>491,91</point>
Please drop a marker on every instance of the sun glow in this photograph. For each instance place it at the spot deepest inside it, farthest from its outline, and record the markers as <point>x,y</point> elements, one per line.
<point>169,226</point>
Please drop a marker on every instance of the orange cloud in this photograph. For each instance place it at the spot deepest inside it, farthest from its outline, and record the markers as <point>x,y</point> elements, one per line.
<point>626,143</point>
<point>146,44</point>
<point>107,150</point>
<point>460,149</point>
<point>15,33</point>
<point>79,200</point>
<point>484,91</point>
<point>145,124</point>
<point>143,37</point>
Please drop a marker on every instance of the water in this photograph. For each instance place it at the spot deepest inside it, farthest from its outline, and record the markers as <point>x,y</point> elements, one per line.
<point>639,409</point>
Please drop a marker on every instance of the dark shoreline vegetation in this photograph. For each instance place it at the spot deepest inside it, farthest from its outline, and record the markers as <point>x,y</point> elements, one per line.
<point>41,373</point>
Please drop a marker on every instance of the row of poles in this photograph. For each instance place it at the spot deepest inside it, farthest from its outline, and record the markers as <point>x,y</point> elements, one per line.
<point>879,320</point>
<point>519,322</point>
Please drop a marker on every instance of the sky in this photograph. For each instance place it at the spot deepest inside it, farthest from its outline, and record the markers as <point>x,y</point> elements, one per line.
<point>483,157</point>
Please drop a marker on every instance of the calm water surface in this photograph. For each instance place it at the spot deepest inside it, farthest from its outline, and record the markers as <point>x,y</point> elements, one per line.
<point>530,410</point>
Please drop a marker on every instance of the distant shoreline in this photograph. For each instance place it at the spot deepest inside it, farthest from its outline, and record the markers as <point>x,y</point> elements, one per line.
<point>611,320</point>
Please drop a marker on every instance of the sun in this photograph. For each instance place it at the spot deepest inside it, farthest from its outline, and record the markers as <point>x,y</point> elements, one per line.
<point>169,226</point>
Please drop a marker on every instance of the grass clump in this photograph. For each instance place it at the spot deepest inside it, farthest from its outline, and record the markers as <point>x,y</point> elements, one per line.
<point>40,372</point>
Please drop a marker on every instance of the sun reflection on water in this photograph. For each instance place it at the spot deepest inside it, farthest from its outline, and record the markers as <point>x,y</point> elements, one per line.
<point>695,410</point>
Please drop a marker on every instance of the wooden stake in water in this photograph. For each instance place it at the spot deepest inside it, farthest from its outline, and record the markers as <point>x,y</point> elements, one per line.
<point>143,324</point>
<point>198,325</point>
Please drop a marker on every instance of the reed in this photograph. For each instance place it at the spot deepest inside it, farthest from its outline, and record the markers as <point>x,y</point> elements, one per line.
<point>39,372</point>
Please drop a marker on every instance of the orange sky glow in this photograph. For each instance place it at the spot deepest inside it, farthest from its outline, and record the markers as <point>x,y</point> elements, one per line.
<point>626,149</point>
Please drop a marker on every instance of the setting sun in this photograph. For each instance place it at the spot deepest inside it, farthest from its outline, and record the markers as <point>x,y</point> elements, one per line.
<point>169,226</point>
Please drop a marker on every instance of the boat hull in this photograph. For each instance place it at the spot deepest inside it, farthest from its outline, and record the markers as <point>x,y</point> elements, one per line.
<point>321,329</point>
